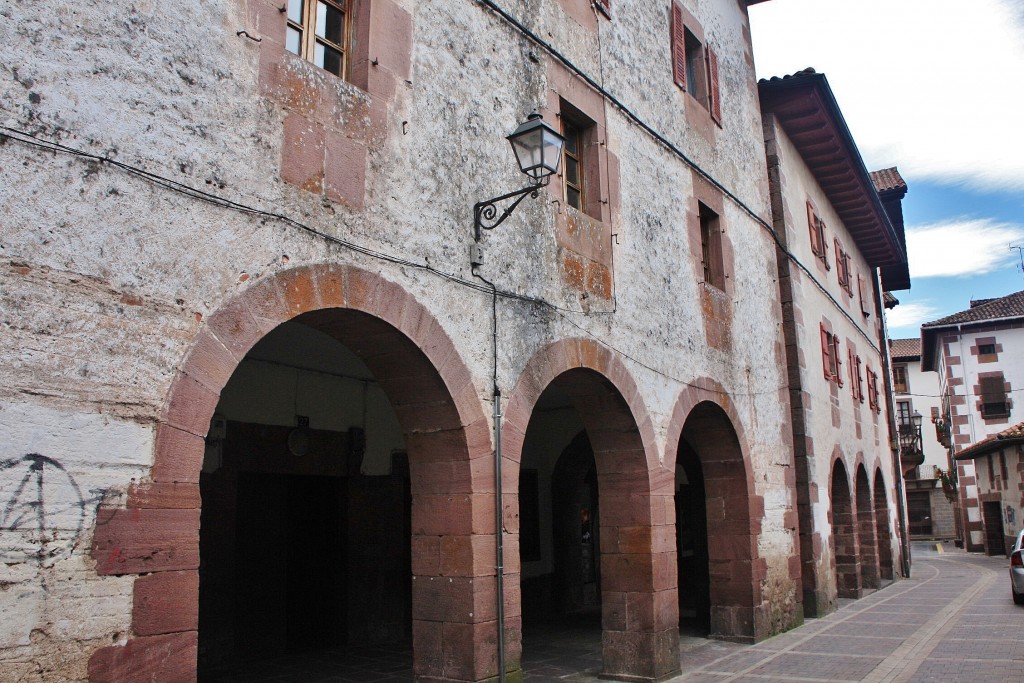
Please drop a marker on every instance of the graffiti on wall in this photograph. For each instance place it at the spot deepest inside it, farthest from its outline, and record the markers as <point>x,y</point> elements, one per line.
<point>43,511</point>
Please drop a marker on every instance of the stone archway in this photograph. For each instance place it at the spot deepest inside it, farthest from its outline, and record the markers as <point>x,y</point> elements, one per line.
<point>730,538</point>
<point>845,555</point>
<point>866,538</point>
<point>447,436</point>
<point>882,528</point>
<point>637,577</point>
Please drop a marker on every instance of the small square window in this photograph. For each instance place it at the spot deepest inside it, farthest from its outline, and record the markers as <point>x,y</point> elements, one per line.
<point>986,349</point>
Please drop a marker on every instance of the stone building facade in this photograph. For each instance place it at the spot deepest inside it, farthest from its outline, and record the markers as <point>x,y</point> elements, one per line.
<point>828,215</point>
<point>254,387</point>
<point>976,354</point>
<point>999,463</point>
<point>930,512</point>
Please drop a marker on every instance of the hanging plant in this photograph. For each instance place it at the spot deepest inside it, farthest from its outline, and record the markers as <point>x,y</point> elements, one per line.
<point>948,479</point>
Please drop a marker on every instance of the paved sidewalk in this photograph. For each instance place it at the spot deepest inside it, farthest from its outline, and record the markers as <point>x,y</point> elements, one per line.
<point>952,621</point>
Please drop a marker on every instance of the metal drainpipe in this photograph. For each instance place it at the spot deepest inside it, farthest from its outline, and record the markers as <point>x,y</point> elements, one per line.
<point>894,439</point>
<point>499,535</point>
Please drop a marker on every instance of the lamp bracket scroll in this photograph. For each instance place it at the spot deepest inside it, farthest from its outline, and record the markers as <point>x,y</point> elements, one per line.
<point>485,213</point>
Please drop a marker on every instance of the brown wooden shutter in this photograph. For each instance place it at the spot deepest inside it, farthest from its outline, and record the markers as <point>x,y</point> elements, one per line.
<point>863,298</point>
<point>853,379</point>
<point>678,46</point>
<point>826,352</point>
<point>993,396</point>
<point>812,226</point>
<point>839,360</point>
<point>714,96</point>
<point>824,244</point>
<point>860,386</point>
<point>839,259</point>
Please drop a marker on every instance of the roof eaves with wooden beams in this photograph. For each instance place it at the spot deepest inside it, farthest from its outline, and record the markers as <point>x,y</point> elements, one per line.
<point>807,110</point>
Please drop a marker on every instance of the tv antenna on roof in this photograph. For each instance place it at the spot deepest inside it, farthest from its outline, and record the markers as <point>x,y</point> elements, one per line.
<point>1020,253</point>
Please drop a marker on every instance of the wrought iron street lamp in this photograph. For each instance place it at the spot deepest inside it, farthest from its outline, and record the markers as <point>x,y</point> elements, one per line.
<point>538,149</point>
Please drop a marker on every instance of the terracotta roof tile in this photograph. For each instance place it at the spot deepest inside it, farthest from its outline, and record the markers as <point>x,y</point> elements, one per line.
<point>888,179</point>
<point>1010,306</point>
<point>905,348</point>
<point>1011,435</point>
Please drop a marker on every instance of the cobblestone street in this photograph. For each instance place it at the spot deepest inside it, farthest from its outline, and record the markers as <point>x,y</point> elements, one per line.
<point>952,621</point>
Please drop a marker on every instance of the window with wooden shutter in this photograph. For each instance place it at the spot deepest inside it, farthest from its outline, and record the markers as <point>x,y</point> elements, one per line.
<point>826,353</point>
<point>860,384</point>
<point>812,226</point>
<point>853,372</point>
<point>993,397</point>
<point>862,293</point>
<point>678,46</point>
<point>714,96</point>
<point>838,359</point>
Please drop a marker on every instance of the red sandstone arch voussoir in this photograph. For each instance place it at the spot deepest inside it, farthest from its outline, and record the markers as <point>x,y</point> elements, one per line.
<point>158,534</point>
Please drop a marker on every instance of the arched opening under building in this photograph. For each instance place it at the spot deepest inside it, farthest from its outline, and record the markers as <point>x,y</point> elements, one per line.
<point>586,550</point>
<point>559,532</point>
<point>844,535</point>
<point>866,537</point>
<point>305,537</point>
<point>715,542</point>
<point>882,529</point>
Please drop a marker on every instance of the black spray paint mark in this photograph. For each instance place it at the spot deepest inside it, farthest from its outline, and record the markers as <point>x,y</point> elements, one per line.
<point>29,482</point>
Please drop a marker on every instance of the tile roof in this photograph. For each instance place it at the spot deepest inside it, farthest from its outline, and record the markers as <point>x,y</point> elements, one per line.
<point>905,348</point>
<point>989,444</point>
<point>888,179</point>
<point>1010,306</point>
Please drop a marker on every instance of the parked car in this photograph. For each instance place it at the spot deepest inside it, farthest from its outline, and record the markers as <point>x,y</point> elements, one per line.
<point>1017,569</point>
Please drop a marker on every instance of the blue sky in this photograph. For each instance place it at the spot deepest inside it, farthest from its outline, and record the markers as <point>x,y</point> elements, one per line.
<point>933,87</point>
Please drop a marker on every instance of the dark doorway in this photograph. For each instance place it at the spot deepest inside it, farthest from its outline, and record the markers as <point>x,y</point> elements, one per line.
<point>992,514</point>
<point>692,544</point>
<point>845,555</point>
<point>298,563</point>
<point>919,513</point>
<point>575,529</point>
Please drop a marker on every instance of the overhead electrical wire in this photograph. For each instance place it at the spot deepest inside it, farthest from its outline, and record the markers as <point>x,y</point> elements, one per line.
<point>187,190</point>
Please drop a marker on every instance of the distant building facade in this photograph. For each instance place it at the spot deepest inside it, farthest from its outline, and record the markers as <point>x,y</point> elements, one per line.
<point>930,513</point>
<point>979,357</point>
<point>999,467</point>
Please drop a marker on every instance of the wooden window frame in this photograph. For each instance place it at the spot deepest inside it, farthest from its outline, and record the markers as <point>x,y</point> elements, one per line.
<point>900,387</point>
<point>711,246</point>
<point>308,38</point>
<point>571,129</point>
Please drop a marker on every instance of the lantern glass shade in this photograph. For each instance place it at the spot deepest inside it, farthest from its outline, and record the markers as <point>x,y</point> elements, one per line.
<point>538,147</point>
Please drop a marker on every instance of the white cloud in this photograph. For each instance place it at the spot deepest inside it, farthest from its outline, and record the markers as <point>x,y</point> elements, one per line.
<point>929,85</point>
<point>960,248</point>
<point>910,316</point>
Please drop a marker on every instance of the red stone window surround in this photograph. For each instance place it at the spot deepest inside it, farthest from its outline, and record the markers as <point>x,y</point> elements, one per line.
<point>694,64</point>
<point>584,235</point>
<point>331,123</point>
<point>986,350</point>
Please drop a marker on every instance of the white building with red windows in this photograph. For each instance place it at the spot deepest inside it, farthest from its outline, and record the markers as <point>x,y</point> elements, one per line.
<point>979,357</point>
<point>839,250</point>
